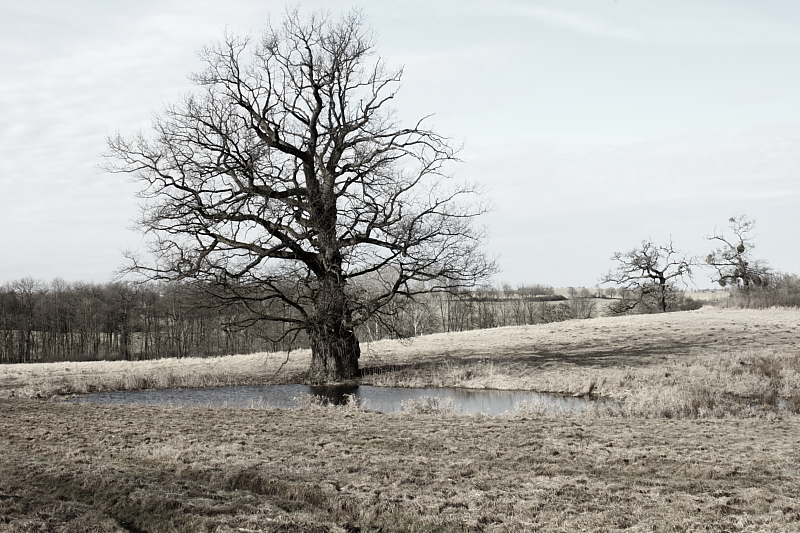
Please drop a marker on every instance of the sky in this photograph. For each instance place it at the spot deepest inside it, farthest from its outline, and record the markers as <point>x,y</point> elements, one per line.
<point>592,124</point>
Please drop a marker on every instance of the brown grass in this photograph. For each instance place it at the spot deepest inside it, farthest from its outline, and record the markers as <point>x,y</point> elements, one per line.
<point>81,467</point>
<point>690,441</point>
<point>710,362</point>
<point>706,363</point>
<point>46,380</point>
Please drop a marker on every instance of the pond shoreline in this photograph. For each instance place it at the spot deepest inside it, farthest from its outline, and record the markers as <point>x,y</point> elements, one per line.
<point>705,363</point>
<point>367,397</point>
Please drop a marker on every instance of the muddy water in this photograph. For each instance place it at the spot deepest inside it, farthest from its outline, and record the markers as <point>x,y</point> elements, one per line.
<point>383,399</point>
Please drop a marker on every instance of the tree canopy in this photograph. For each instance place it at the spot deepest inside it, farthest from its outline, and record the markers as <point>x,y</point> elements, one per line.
<point>649,274</point>
<point>287,182</point>
<point>732,259</point>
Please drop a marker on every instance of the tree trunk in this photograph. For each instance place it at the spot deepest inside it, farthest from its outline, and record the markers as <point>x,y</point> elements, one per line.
<point>334,346</point>
<point>334,355</point>
<point>662,298</point>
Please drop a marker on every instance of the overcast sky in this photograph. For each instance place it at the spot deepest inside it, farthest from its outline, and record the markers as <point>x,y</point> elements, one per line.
<point>593,124</point>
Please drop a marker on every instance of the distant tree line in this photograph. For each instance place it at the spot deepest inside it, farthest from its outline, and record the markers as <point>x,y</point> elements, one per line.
<point>487,307</point>
<point>61,321</point>
<point>88,321</point>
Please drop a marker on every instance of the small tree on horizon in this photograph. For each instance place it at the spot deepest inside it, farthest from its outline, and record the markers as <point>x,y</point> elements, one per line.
<point>287,178</point>
<point>648,273</point>
<point>732,260</point>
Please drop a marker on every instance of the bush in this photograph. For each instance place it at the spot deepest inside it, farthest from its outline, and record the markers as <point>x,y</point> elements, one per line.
<point>645,303</point>
<point>780,290</point>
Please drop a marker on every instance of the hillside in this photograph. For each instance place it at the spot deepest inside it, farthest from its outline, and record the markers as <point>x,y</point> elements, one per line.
<point>721,355</point>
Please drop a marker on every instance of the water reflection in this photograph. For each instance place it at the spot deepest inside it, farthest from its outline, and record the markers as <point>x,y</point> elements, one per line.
<point>383,399</point>
<point>335,394</point>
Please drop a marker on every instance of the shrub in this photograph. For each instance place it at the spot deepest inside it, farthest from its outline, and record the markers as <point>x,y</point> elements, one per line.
<point>644,303</point>
<point>780,290</point>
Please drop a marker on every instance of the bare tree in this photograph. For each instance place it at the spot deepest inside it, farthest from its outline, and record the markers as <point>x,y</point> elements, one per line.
<point>581,303</point>
<point>647,273</point>
<point>287,178</point>
<point>732,260</point>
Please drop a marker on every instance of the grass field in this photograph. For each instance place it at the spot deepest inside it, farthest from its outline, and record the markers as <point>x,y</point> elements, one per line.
<point>705,438</point>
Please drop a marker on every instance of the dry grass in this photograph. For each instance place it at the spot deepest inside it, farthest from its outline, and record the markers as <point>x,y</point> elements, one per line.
<point>45,380</point>
<point>706,363</point>
<point>710,362</point>
<point>69,467</point>
<point>646,467</point>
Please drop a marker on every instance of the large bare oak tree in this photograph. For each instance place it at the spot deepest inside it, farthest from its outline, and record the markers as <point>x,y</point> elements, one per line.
<point>285,183</point>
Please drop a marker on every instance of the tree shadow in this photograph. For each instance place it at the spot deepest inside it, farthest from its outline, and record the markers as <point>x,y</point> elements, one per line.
<point>640,355</point>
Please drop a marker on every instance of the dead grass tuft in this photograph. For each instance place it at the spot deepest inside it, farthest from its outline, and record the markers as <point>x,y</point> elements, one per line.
<point>430,405</point>
<point>793,404</point>
<point>309,402</point>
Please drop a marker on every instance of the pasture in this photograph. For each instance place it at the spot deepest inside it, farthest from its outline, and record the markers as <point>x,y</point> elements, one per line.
<point>703,435</point>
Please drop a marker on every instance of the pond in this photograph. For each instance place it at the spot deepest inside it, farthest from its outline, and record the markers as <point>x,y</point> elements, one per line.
<point>382,399</point>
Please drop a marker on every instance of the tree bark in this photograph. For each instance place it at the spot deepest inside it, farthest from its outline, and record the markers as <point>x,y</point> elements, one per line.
<point>334,354</point>
<point>334,346</point>
<point>662,294</point>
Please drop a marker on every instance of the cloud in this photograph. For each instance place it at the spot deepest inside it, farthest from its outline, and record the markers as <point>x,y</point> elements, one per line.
<point>578,22</point>
<point>74,74</point>
<point>673,23</point>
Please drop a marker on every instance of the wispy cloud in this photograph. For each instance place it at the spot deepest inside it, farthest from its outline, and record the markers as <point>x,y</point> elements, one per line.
<point>578,22</point>
<point>673,23</point>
